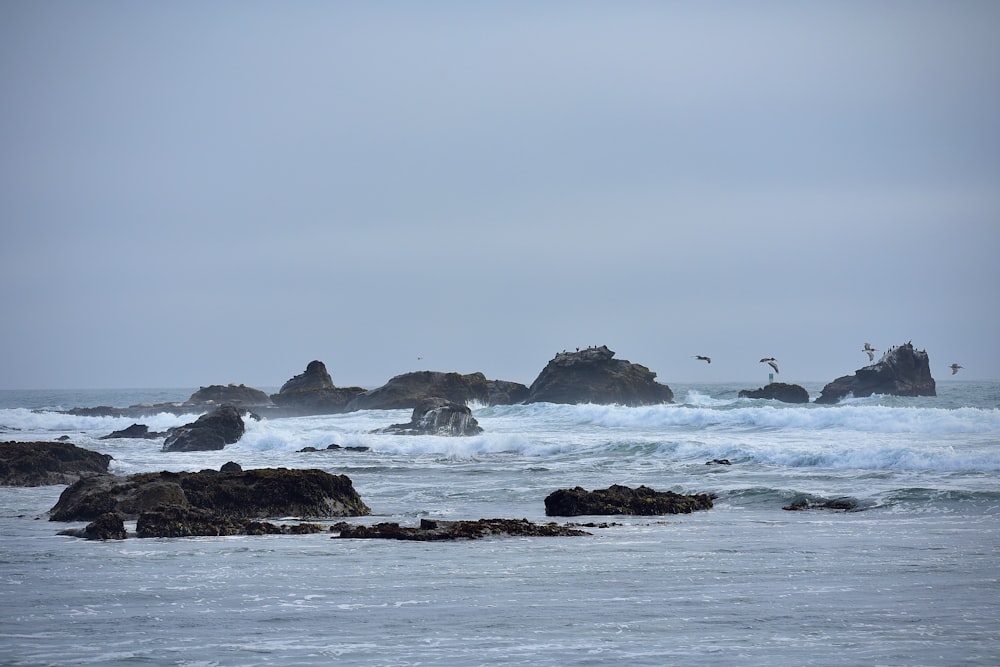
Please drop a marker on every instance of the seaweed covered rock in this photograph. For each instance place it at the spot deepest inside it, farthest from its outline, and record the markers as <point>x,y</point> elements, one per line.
<point>265,492</point>
<point>438,416</point>
<point>48,463</point>
<point>223,426</point>
<point>593,375</point>
<point>409,389</point>
<point>617,499</point>
<point>431,530</point>
<point>902,371</point>
<point>778,391</point>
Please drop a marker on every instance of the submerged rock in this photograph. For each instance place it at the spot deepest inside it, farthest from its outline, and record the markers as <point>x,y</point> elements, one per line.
<point>594,376</point>
<point>778,391</point>
<point>902,371</point>
<point>48,463</point>
<point>265,492</point>
<point>432,530</point>
<point>617,499</point>
<point>223,426</point>
<point>437,416</point>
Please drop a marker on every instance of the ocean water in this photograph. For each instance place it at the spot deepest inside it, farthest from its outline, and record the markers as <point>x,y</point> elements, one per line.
<point>910,578</point>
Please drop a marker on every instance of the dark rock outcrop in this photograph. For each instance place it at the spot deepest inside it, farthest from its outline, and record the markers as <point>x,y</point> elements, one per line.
<point>505,392</point>
<point>174,521</point>
<point>48,463</point>
<point>223,426</point>
<point>594,376</point>
<point>804,503</point>
<point>108,526</point>
<point>432,530</point>
<point>313,392</point>
<point>778,391</point>
<point>409,389</point>
<point>437,416</point>
<point>239,395</point>
<point>617,499</point>
<point>902,371</point>
<point>266,492</point>
<point>135,431</point>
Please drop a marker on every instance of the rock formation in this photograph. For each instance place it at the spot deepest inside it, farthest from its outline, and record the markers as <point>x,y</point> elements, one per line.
<point>135,431</point>
<point>409,389</point>
<point>48,463</point>
<point>232,394</point>
<point>432,530</point>
<point>617,499</point>
<point>313,392</point>
<point>594,376</point>
<point>266,492</point>
<point>437,416</point>
<point>778,391</point>
<point>223,426</point>
<point>902,371</point>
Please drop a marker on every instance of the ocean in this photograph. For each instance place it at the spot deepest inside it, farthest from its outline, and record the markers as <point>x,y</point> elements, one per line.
<point>910,577</point>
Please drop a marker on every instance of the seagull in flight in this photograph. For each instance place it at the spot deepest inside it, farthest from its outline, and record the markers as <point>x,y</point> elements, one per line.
<point>772,362</point>
<point>954,368</point>
<point>702,358</point>
<point>870,351</point>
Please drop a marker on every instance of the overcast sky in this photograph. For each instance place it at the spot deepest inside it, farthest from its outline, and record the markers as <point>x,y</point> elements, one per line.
<point>203,193</point>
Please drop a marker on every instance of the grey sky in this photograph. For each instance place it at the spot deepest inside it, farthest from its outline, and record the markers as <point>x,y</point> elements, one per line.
<point>203,193</point>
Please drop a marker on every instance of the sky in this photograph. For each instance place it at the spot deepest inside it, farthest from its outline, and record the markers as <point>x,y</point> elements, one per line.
<point>213,193</point>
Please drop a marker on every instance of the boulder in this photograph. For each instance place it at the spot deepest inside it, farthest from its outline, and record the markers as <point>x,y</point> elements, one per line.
<point>409,389</point>
<point>223,426</point>
<point>433,530</point>
<point>437,416</point>
<point>902,371</point>
<point>48,463</point>
<point>594,376</point>
<point>617,499</point>
<point>108,526</point>
<point>231,394</point>
<point>778,391</point>
<point>313,392</point>
<point>265,492</point>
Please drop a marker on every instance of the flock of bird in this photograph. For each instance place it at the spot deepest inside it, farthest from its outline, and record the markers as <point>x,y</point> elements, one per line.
<point>773,363</point>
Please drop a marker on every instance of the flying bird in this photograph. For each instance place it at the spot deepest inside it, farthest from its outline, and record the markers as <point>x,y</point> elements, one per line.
<point>701,358</point>
<point>954,368</point>
<point>772,362</point>
<point>870,351</point>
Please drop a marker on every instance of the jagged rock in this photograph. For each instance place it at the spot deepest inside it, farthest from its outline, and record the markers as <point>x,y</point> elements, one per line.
<point>617,499</point>
<point>231,394</point>
<point>135,431</point>
<point>902,371</point>
<point>778,391</point>
<point>265,492</point>
<point>313,392</point>
<point>48,463</point>
<point>437,416</point>
<point>432,530</point>
<point>223,426</point>
<point>594,376</point>
<point>407,390</point>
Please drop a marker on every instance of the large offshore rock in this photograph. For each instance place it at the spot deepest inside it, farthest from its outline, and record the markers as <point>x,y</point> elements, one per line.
<point>223,426</point>
<point>409,389</point>
<point>902,371</point>
<point>438,416</point>
<point>778,391</point>
<point>232,394</point>
<point>594,376</point>
<point>266,492</point>
<point>617,499</point>
<point>48,463</point>
<point>313,392</point>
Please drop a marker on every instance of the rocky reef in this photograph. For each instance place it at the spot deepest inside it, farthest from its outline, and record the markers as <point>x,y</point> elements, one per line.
<point>437,416</point>
<point>239,494</point>
<point>902,371</point>
<point>431,530</point>
<point>593,375</point>
<point>48,463</point>
<point>778,391</point>
<point>617,499</point>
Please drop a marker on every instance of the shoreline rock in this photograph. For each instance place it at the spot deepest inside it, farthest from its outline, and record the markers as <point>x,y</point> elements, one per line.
<point>48,463</point>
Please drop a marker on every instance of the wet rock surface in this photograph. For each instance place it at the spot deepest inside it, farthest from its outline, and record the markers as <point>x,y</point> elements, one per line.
<point>48,463</point>
<point>617,499</point>
<point>432,530</point>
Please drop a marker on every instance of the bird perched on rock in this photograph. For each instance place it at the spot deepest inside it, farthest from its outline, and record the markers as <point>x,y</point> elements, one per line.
<point>702,358</point>
<point>772,362</point>
<point>870,351</point>
<point>954,368</point>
